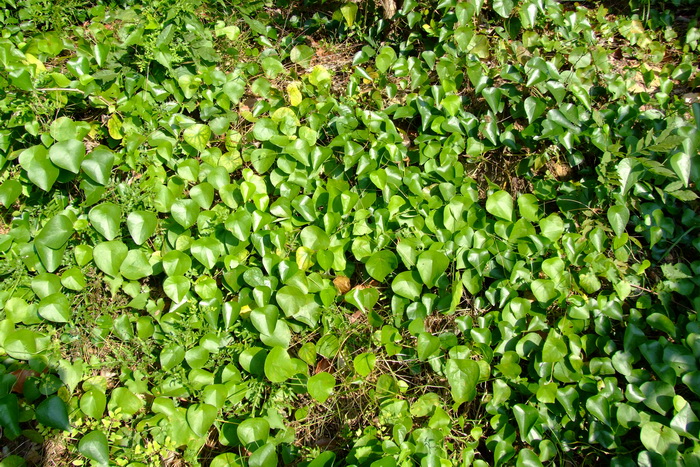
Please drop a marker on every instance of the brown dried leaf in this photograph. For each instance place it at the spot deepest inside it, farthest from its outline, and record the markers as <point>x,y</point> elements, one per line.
<point>323,365</point>
<point>342,283</point>
<point>22,376</point>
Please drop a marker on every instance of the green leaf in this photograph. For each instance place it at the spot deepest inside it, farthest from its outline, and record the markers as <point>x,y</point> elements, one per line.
<point>265,456</point>
<point>528,207</point>
<point>630,171</point>
<point>197,136</point>
<point>426,345</point>
<point>279,366</point>
<point>108,257</point>
<point>364,363</point>
<point>552,227</point>
<point>200,417</point>
<point>618,216</point>
<point>503,7</point>
<point>73,279</point>
<point>142,225</point>
<point>207,251</point>
<point>93,403</point>
<point>544,290</point>
<point>9,192</point>
<point>68,155</point>
<point>24,344</point>
<point>40,170</point>
<point>528,458</point>
<point>176,263</point>
<point>407,284</point>
<point>301,54</point>
<point>534,107</point>
<point>659,438</point>
<point>431,265</point>
<point>176,288</point>
<point>264,129</point>
<point>135,265</point>
<point>321,386</point>
<point>106,218</point>
<point>98,164</point>
<point>265,319</point>
<point>94,446</point>
<point>56,308</point>
<point>349,12</point>
<point>185,212</point>
<point>682,164</point>
<point>364,299</point>
<point>253,431</point>
<point>462,376</point>
<point>500,204</point>
<point>554,349</point>
<point>658,396</point>
<point>56,232</point>
<point>314,238</point>
<point>9,416</point>
<point>125,400</point>
<point>53,413</point>
<point>298,305</point>
<point>381,264</point>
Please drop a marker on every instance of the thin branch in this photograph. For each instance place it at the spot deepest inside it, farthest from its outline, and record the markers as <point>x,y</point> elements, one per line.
<point>61,89</point>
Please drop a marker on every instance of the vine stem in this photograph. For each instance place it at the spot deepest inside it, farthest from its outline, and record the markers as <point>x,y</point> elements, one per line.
<point>61,89</point>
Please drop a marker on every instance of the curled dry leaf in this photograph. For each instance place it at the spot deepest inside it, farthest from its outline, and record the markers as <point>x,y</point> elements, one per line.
<point>323,365</point>
<point>342,283</point>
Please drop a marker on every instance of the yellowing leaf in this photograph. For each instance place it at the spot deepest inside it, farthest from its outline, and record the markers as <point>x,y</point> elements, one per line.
<point>294,94</point>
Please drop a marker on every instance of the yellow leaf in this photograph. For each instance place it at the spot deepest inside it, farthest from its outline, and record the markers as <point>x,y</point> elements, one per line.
<point>294,94</point>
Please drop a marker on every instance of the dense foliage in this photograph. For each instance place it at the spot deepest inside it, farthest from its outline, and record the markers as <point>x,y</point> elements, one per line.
<point>239,233</point>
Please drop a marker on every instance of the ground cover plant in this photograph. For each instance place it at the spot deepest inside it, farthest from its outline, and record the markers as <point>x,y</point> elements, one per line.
<point>416,233</point>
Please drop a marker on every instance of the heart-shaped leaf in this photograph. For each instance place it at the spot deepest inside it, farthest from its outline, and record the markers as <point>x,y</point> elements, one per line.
<point>94,446</point>
<point>68,155</point>
<point>431,265</point>
<point>106,219</point>
<point>320,386</point>
<point>381,264</point>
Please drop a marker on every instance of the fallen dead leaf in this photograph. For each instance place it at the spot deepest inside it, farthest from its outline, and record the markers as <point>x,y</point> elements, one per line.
<point>342,283</point>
